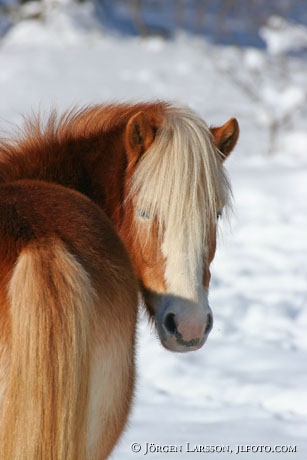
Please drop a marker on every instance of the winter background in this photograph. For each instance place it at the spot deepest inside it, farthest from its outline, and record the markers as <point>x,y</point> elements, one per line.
<point>248,385</point>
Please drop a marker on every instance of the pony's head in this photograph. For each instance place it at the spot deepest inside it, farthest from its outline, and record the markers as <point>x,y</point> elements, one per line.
<point>176,188</point>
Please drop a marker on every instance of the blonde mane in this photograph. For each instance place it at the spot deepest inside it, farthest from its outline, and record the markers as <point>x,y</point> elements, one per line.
<point>180,182</point>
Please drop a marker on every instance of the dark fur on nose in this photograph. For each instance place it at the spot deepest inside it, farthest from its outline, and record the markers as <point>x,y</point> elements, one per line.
<point>171,327</point>
<point>209,324</point>
<point>170,324</point>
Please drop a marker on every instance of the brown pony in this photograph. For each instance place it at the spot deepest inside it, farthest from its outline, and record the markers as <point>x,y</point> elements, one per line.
<point>95,207</point>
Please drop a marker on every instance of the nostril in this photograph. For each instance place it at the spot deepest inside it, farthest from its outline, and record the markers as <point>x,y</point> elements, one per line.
<point>209,323</point>
<point>170,324</point>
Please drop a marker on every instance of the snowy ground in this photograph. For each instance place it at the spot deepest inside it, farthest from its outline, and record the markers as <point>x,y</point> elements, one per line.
<point>248,385</point>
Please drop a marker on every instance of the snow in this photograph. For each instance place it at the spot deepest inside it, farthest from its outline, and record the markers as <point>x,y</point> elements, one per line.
<point>248,385</point>
<point>281,35</point>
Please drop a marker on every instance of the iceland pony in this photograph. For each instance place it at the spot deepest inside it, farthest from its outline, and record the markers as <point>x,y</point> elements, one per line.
<point>97,207</point>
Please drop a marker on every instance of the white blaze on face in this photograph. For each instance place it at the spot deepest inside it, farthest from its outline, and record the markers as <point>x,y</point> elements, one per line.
<point>181,278</point>
<point>184,252</point>
<point>186,296</point>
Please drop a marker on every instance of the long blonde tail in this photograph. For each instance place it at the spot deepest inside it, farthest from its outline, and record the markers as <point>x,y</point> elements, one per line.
<point>52,304</point>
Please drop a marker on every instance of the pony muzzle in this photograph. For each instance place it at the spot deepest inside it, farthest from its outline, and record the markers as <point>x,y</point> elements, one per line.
<point>184,328</point>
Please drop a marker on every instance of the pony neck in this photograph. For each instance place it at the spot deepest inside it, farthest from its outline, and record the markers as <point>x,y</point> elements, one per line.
<point>78,150</point>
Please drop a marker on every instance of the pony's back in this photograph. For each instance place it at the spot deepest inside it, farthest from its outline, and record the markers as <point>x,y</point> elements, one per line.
<point>68,312</point>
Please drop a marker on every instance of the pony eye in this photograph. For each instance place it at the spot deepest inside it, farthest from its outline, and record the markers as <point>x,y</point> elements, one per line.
<point>142,214</point>
<point>219,213</point>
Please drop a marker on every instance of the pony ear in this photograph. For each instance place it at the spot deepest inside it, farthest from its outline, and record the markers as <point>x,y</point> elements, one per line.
<point>226,136</point>
<point>139,136</point>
